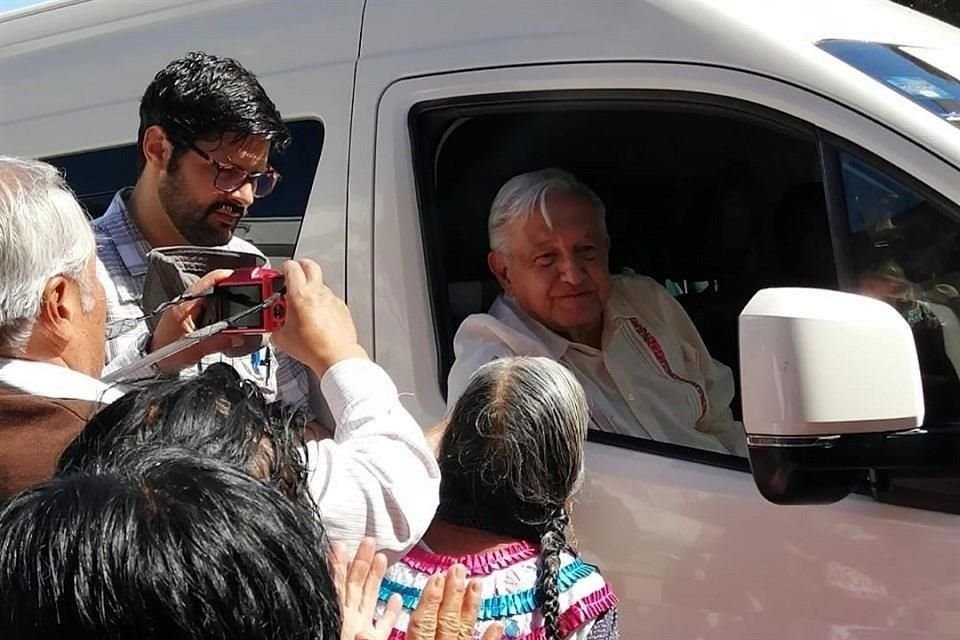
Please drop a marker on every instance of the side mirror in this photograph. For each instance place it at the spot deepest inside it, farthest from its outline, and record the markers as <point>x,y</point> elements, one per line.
<point>828,380</point>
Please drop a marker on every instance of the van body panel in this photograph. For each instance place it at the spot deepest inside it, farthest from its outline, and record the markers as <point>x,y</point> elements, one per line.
<point>769,39</point>
<point>693,553</point>
<point>65,89</point>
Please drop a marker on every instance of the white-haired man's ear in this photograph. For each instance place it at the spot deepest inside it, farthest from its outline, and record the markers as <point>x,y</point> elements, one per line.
<point>499,267</point>
<point>59,305</point>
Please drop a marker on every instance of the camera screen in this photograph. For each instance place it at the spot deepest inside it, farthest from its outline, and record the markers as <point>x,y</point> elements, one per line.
<point>234,300</point>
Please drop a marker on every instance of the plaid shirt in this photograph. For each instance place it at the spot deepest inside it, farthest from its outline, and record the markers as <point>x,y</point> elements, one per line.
<point>122,268</point>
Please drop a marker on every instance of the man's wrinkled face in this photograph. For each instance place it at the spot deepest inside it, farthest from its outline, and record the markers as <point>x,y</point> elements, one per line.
<point>204,215</point>
<point>88,344</point>
<point>557,273</point>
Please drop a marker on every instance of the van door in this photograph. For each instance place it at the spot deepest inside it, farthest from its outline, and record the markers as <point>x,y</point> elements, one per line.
<point>716,183</point>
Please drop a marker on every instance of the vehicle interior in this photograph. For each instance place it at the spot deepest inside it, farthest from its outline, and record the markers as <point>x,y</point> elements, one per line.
<point>711,201</point>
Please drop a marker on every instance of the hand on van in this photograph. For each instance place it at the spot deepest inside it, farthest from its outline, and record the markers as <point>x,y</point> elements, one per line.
<point>319,330</point>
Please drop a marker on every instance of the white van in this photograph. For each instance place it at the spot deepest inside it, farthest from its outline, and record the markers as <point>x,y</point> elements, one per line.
<point>737,144</point>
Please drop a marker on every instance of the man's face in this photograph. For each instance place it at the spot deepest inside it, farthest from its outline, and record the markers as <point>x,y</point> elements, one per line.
<point>558,275</point>
<point>204,215</point>
<point>87,346</point>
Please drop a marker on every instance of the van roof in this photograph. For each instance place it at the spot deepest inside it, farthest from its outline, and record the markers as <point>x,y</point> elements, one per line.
<point>774,38</point>
<point>645,28</point>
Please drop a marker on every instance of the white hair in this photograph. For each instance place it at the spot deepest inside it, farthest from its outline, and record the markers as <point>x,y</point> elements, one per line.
<point>527,193</point>
<point>43,233</point>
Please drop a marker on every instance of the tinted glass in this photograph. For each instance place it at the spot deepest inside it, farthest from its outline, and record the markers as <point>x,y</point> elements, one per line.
<point>95,176</point>
<point>703,207</point>
<point>905,250</point>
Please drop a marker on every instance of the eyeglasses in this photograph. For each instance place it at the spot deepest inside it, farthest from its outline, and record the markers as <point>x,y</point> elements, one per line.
<point>230,178</point>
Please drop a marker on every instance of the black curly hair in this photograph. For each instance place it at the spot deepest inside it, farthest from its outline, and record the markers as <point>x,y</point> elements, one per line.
<point>203,97</point>
<point>217,414</point>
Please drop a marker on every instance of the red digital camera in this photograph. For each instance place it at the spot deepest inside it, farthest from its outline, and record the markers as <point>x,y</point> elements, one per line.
<point>248,289</point>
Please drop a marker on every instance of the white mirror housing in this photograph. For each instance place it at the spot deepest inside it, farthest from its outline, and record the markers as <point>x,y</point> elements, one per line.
<point>815,362</point>
<point>831,389</point>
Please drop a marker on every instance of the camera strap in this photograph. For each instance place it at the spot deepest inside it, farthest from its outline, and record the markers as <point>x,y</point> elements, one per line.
<point>144,367</point>
<point>121,326</point>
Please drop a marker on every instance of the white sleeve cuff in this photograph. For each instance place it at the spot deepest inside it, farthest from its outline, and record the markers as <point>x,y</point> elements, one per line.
<point>353,381</point>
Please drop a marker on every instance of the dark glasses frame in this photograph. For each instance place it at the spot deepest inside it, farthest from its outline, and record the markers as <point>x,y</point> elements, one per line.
<point>248,176</point>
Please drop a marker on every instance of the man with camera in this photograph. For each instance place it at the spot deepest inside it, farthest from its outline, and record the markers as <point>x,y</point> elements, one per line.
<point>375,477</point>
<point>207,129</point>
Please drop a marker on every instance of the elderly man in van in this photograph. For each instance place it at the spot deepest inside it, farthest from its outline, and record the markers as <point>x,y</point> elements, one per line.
<point>646,371</point>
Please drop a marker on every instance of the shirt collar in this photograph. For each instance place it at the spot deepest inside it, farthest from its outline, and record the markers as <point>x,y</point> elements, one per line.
<point>53,381</point>
<point>616,308</point>
<point>555,344</point>
<point>126,236</point>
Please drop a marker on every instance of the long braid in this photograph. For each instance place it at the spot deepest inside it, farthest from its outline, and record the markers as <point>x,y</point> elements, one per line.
<point>552,542</point>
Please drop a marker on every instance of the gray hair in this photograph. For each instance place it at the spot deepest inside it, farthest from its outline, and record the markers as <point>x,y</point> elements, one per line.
<point>511,459</point>
<point>519,429</point>
<point>527,193</point>
<point>43,233</point>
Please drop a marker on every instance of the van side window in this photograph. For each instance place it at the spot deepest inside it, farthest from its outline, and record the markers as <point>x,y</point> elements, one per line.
<point>707,201</point>
<point>904,250</point>
<point>273,223</point>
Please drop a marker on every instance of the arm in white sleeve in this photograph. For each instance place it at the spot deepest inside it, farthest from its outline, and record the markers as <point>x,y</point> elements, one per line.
<point>376,477</point>
<point>719,419</point>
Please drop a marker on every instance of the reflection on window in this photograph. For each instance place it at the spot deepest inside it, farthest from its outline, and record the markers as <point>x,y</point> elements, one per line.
<point>873,199</point>
<point>922,75</point>
<point>905,252</point>
<point>272,223</point>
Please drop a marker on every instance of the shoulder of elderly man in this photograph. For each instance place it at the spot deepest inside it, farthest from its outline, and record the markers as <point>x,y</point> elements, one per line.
<point>506,330</point>
<point>43,407</point>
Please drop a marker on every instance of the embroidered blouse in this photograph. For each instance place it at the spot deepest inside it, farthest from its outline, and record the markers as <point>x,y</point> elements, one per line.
<point>509,579</point>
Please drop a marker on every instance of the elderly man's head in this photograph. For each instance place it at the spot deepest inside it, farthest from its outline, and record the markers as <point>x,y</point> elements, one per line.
<point>52,306</point>
<point>549,250</point>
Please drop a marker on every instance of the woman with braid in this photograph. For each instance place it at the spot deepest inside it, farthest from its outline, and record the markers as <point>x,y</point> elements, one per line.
<point>511,460</point>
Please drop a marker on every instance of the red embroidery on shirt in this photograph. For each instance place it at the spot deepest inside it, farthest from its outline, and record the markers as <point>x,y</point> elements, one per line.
<point>661,357</point>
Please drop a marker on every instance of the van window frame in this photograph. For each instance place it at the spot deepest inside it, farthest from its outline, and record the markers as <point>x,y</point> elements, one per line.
<point>880,483</point>
<point>317,127</point>
<point>423,157</point>
<point>829,146</point>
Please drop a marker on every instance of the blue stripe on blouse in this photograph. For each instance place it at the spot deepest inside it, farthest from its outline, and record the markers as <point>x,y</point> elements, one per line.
<point>497,607</point>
